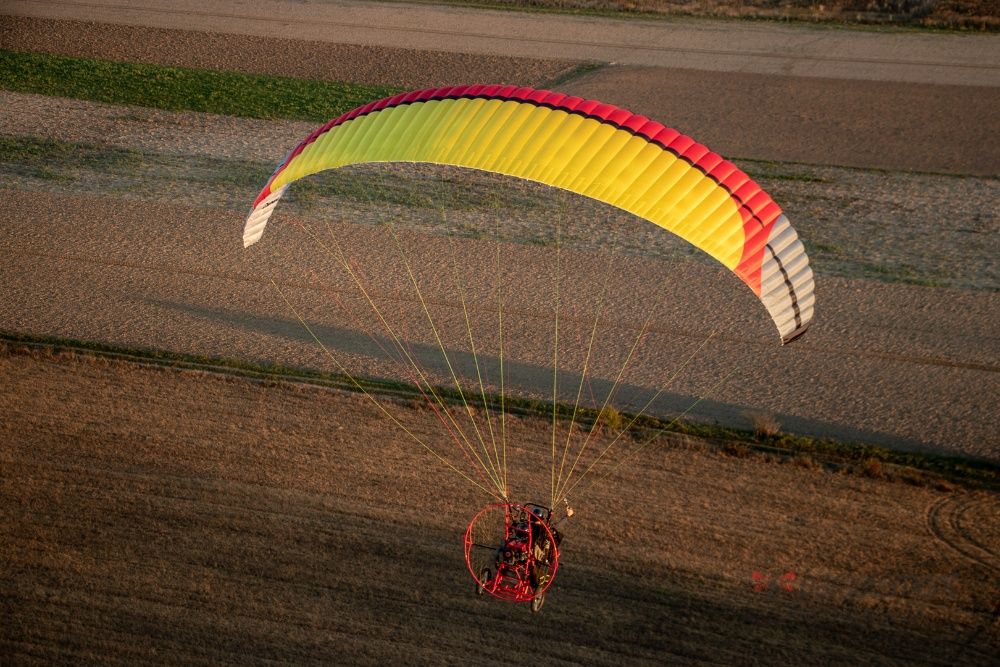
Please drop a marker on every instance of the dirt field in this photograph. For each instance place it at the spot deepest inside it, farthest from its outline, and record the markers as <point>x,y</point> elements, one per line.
<point>768,116</point>
<point>159,516</point>
<point>886,125</point>
<point>176,278</point>
<point>174,517</point>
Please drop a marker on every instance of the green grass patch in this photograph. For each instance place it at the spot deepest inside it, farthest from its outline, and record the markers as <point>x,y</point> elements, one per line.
<point>781,171</point>
<point>897,272</point>
<point>917,468</point>
<point>573,73</point>
<point>183,89</point>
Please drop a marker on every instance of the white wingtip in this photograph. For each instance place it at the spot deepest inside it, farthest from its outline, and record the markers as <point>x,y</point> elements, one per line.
<point>253,229</point>
<point>787,282</point>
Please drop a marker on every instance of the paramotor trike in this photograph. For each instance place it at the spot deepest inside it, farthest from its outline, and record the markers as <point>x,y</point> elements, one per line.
<point>512,552</point>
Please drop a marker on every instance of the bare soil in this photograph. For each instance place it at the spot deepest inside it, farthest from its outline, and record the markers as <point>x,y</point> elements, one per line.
<point>151,515</point>
<point>881,124</point>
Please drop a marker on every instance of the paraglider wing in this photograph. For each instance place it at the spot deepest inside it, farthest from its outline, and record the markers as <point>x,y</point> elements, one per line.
<point>593,149</point>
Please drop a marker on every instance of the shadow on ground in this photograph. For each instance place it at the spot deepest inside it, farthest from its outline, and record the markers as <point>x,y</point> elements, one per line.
<point>527,379</point>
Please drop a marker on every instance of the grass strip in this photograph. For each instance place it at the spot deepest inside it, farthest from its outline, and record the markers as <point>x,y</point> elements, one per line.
<point>574,73</point>
<point>38,157</point>
<point>869,460</point>
<point>183,89</point>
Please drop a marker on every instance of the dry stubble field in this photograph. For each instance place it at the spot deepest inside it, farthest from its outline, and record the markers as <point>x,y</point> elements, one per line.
<point>169,516</point>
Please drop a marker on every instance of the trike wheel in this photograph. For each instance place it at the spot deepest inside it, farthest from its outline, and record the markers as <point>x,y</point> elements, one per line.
<point>484,575</point>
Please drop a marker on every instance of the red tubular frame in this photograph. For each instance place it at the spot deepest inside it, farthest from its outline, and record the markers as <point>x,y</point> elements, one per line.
<point>512,581</point>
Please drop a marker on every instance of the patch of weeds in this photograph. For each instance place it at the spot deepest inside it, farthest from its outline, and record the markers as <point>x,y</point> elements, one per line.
<point>48,174</point>
<point>802,178</point>
<point>611,420</point>
<point>778,171</point>
<point>763,424</point>
<point>573,73</point>
<point>872,467</point>
<point>825,247</point>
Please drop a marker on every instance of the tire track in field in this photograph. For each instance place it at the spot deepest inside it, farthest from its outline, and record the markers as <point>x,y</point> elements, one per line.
<point>947,521</point>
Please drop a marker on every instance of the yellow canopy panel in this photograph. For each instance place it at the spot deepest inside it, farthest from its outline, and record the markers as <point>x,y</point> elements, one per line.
<point>593,149</point>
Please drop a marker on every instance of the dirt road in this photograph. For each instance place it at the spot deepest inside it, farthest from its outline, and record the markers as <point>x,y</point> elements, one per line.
<point>167,517</point>
<point>760,47</point>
